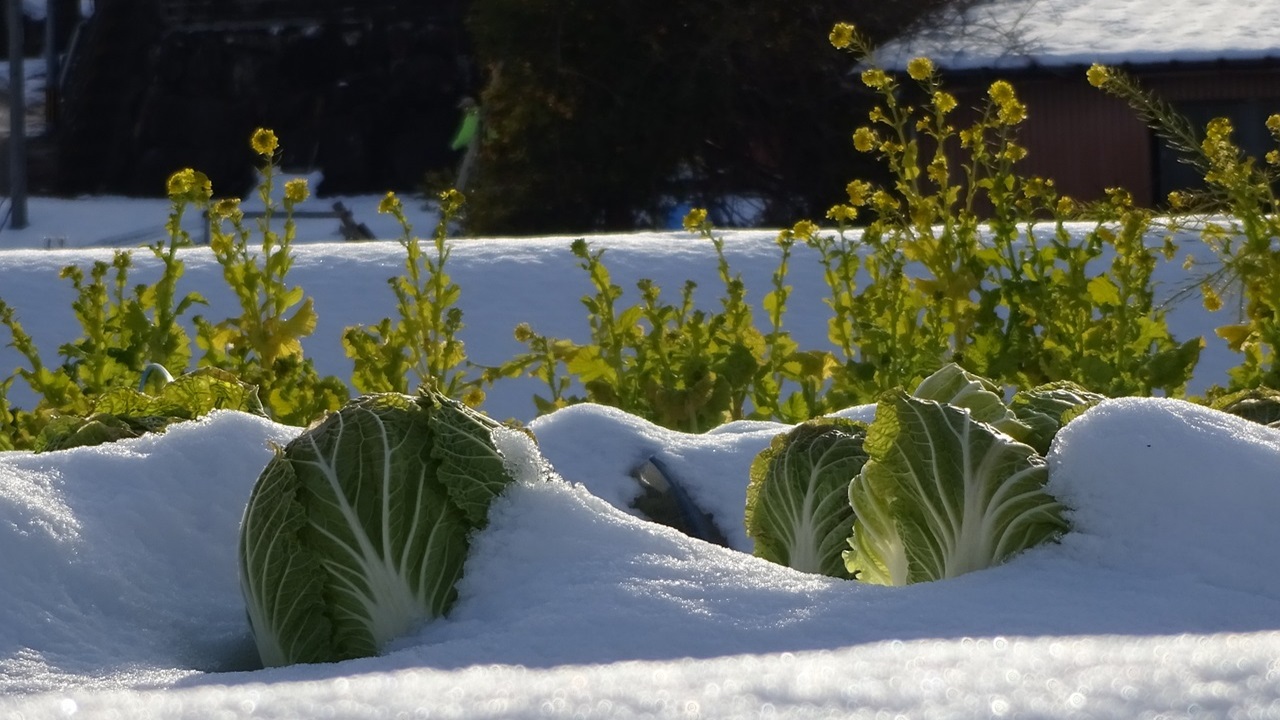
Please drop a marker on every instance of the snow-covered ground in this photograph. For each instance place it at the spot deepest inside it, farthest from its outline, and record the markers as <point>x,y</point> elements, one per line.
<point>119,595</point>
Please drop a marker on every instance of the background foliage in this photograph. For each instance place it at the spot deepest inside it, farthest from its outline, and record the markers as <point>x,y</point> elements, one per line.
<point>601,115</point>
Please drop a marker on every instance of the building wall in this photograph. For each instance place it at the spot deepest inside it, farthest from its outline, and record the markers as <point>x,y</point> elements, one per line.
<point>1083,139</point>
<point>1087,141</point>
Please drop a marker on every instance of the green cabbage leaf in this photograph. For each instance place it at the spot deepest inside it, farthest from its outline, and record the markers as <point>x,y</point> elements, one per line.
<point>1046,408</point>
<point>953,385</point>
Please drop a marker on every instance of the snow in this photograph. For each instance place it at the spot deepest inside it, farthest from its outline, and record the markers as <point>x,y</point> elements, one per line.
<point>120,597</point>
<point>1007,34</point>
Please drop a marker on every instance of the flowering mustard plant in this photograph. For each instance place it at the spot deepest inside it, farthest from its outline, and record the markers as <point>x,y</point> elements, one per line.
<point>1240,189</point>
<point>422,343</point>
<point>940,286</point>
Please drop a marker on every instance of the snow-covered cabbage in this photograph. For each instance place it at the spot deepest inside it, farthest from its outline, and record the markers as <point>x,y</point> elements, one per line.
<point>798,509</point>
<point>358,529</point>
<point>1261,405</point>
<point>1046,408</point>
<point>943,495</point>
<point>123,412</point>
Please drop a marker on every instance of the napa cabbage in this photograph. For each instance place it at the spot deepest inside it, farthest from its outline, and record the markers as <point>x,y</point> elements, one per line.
<point>944,494</point>
<point>122,412</point>
<point>357,530</point>
<point>798,511</point>
<point>1261,405</point>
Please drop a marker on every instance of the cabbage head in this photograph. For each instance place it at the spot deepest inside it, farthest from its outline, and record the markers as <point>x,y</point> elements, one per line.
<point>944,494</point>
<point>798,511</point>
<point>358,529</point>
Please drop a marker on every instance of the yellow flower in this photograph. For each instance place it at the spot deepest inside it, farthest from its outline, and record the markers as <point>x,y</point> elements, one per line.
<point>1217,146</point>
<point>1009,110</point>
<point>179,183</point>
<point>1002,92</point>
<point>1012,113</point>
<point>945,102</point>
<point>1098,75</point>
<point>841,36</point>
<point>1212,302</point>
<point>473,397</point>
<point>937,170</point>
<point>883,200</point>
<point>1218,129</point>
<point>864,139</point>
<point>202,188</point>
<point>843,214</point>
<point>695,220</point>
<point>858,191</point>
<point>189,185</point>
<point>805,230</point>
<point>1273,157</point>
<point>451,201</point>
<point>1120,198</point>
<point>1273,124</point>
<point>264,142</point>
<point>389,204</point>
<point>875,78</point>
<point>1066,206</point>
<point>227,209</point>
<point>1178,200</point>
<point>296,191</point>
<point>920,68</point>
<point>1014,153</point>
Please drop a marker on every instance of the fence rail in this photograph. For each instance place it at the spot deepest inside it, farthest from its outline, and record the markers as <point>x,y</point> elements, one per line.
<point>213,13</point>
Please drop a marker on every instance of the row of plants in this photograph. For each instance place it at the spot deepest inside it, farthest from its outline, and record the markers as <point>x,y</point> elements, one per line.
<point>946,480</point>
<point>959,258</point>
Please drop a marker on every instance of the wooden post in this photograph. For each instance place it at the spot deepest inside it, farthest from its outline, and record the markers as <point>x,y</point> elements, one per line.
<point>52,60</point>
<point>17,121</point>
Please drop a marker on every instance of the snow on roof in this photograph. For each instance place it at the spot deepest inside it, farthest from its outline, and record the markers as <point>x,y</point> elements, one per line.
<point>1007,34</point>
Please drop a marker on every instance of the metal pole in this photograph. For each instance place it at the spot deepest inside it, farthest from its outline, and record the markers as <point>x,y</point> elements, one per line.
<point>17,120</point>
<point>52,26</point>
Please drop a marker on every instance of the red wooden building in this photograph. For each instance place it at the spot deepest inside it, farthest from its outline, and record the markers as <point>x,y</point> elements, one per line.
<point>1209,58</point>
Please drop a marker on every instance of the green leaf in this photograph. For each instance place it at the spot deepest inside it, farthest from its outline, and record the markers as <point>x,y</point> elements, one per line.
<point>591,367</point>
<point>1171,369</point>
<point>953,385</point>
<point>1103,292</point>
<point>798,509</point>
<point>1046,408</point>
<point>470,466</point>
<point>943,495</point>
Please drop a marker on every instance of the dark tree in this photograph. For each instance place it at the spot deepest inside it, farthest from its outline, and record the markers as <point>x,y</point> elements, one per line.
<point>363,90</point>
<point>599,114</point>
